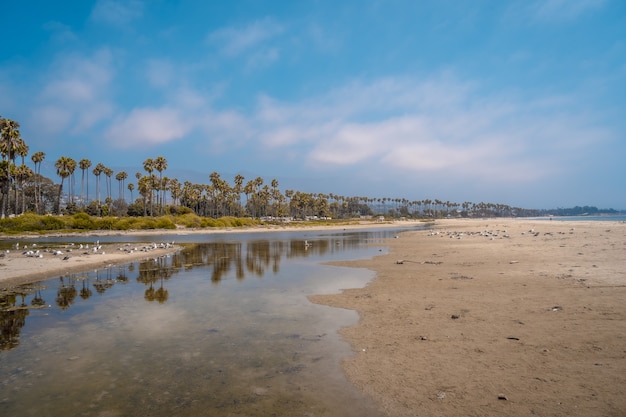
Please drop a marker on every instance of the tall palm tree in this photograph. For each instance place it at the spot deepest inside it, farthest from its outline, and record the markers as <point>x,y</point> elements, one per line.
<point>131,187</point>
<point>22,174</point>
<point>84,164</point>
<point>97,171</point>
<point>71,168</point>
<point>21,150</point>
<point>160,164</point>
<point>9,141</point>
<point>175,191</point>
<point>63,166</point>
<point>238,189</point>
<point>148,166</point>
<point>37,159</point>
<point>108,172</point>
<point>121,177</point>
<point>144,187</point>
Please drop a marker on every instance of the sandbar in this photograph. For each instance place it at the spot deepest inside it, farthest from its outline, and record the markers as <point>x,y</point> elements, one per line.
<point>492,318</point>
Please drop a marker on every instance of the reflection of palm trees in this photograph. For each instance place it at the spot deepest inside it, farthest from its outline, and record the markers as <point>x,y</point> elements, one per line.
<point>121,275</point>
<point>66,294</point>
<point>38,300</point>
<point>151,271</point>
<point>11,323</point>
<point>85,292</point>
<point>149,294</point>
<point>161,294</point>
<point>99,285</point>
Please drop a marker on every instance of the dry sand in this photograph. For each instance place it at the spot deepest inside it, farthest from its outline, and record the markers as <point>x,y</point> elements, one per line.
<point>493,318</point>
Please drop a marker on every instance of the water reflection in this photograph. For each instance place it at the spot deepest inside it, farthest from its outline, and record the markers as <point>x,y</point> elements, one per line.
<point>246,258</point>
<point>219,328</point>
<point>12,318</point>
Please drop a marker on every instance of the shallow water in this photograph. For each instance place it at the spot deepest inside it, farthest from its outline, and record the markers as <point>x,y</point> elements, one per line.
<point>222,328</point>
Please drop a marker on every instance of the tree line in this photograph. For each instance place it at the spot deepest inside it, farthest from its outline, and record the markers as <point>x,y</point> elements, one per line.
<point>24,189</point>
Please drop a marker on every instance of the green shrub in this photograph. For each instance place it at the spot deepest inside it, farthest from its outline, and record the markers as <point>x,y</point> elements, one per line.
<point>165,223</point>
<point>105,223</point>
<point>190,220</point>
<point>147,223</point>
<point>82,221</point>
<point>30,222</point>
<point>126,223</point>
<point>53,223</point>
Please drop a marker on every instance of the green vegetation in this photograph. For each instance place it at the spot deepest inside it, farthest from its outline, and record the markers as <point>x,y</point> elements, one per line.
<point>80,222</point>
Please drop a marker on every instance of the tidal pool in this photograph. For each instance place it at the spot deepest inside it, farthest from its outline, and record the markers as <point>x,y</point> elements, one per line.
<point>222,328</point>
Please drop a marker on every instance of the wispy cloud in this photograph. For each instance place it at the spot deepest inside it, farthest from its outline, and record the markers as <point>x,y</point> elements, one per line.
<point>147,127</point>
<point>75,96</point>
<point>60,32</point>
<point>118,13</point>
<point>233,41</point>
<point>442,126</point>
<point>556,10</point>
<point>439,126</point>
<point>159,73</point>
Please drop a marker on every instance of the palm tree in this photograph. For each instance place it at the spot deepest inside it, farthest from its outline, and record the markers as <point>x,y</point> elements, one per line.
<point>37,159</point>
<point>238,189</point>
<point>143,185</point>
<point>63,166</point>
<point>175,191</point>
<point>22,174</point>
<point>121,177</point>
<point>148,166</point>
<point>9,141</point>
<point>160,164</point>
<point>71,168</point>
<point>97,171</point>
<point>131,187</point>
<point>84,165</point>
<point>108,172</point>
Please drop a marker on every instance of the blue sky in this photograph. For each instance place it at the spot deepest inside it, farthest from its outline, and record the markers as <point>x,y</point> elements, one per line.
<point>514,102</point>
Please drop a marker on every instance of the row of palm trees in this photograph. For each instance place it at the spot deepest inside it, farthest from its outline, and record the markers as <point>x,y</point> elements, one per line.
<point>159,194</point>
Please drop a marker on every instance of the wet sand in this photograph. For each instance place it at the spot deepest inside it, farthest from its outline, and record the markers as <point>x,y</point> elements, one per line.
<point>493,318</point>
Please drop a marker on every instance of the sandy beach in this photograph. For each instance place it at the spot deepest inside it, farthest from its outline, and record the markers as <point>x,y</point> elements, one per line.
<point>485,317</point>
<point>493,318</point>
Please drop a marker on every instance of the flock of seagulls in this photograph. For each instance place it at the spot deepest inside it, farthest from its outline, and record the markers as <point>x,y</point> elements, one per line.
<point>96,248</point>
<point>491,234</point>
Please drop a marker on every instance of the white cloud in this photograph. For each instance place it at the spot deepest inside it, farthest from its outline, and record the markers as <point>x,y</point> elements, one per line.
<point>440,126</point>
<point>234,41</point>
<point>75,96</point>
<point>147,127</point>
<point>119,13</point>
